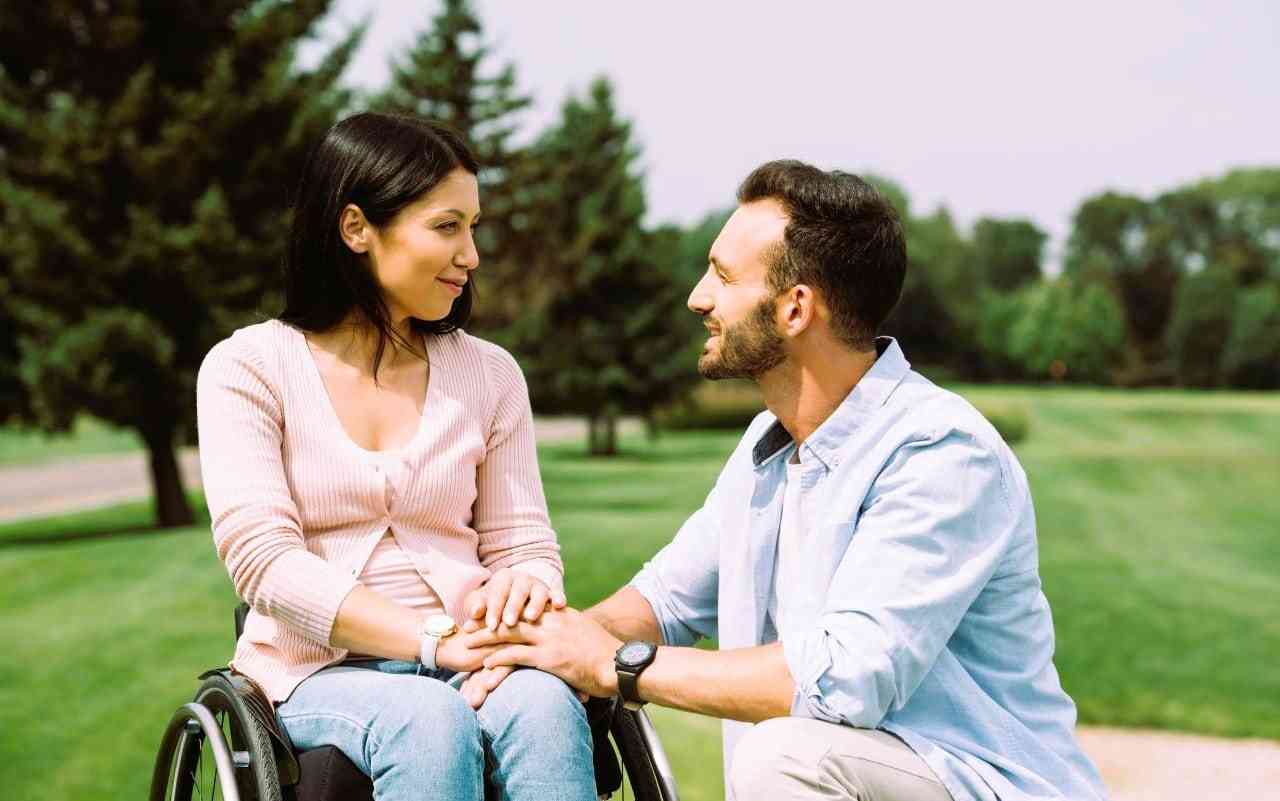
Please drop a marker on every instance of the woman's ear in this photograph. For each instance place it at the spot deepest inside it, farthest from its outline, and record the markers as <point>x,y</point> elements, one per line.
<point>354,228</point>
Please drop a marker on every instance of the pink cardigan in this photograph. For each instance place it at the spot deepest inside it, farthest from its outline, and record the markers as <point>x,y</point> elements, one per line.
<point>297,506</point>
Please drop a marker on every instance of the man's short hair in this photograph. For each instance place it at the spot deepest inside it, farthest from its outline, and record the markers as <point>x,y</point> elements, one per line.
<point>842,238</point>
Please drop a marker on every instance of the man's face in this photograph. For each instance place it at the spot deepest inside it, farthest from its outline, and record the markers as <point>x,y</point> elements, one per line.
<point>734,298</point>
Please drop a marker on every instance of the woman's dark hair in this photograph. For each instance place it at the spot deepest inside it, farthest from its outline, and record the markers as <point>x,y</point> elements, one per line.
<point>842,237</point>
<point>381,163</point>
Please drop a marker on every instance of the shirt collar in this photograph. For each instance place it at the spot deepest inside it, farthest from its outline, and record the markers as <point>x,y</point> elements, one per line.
<point>868,395</point>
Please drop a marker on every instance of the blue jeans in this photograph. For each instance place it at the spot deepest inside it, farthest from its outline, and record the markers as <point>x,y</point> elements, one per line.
<point>418,740</point>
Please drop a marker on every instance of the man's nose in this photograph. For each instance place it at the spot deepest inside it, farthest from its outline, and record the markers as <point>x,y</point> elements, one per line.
<point>700,300</point>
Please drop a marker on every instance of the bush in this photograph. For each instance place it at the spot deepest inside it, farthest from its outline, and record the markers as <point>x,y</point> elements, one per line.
<point>1011,420</point>
<point>718,405</point>
<point>1066,332</point>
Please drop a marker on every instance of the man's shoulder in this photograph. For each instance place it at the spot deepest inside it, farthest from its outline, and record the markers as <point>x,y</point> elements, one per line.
<point>921,409</point>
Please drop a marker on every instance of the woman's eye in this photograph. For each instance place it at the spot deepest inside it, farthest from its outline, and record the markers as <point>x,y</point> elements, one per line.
<point>449,226</point>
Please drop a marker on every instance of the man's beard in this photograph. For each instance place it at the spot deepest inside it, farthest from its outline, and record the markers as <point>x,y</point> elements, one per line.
<point>748,349</point>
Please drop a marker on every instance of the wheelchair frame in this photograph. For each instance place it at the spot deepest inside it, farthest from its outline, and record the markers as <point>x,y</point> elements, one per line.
<point>254,761</point>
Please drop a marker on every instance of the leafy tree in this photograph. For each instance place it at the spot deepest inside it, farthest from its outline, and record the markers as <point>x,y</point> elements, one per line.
<point>614,336</point>
<point>1200,326</point>
<point>145,154</point>
<point>1008,253</point>
<point>937,316</point>
<point>445,76</point>
<point>1067,332</point>
<point>1251,357</point>
<point>1112,243</point>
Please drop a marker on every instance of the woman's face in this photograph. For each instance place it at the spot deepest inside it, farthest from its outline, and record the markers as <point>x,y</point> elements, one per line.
<point>425,254</point>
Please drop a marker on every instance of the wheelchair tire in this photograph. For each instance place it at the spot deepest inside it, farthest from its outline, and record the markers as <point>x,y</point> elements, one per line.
<point>186,767</point>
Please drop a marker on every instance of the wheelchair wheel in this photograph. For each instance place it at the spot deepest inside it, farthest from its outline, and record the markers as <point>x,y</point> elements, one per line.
<point>215,748</point>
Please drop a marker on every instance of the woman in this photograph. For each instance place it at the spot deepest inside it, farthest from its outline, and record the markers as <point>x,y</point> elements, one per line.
<point>371,476</point>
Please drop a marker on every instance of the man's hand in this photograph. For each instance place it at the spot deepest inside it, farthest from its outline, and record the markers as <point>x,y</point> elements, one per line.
<point>510,596</point>
<point>566,643</point>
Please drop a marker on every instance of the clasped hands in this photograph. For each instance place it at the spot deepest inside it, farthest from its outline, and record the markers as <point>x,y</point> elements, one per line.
<point>516,620</point>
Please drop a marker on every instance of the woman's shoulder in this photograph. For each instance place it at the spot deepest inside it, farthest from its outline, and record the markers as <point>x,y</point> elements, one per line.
<point>255,347</point>
<point>493,358</point>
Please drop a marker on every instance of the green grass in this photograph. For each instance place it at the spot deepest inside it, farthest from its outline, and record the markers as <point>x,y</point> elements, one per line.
<point>1160,549</point>
<point>89,437</point>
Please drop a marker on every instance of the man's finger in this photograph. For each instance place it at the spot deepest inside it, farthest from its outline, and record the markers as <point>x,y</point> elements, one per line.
<point>513,655</point>
<point>490,678</point>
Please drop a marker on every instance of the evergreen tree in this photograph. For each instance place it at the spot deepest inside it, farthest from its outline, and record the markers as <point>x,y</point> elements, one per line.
<point>444,76</point>
<point>147,151</point>
<point>613,335</point>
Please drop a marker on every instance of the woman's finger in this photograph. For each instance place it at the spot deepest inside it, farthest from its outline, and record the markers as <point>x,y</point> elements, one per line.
<point>517,597</point>
<point>558,599</point>
<point>538,597</point>
<point>496,596</point>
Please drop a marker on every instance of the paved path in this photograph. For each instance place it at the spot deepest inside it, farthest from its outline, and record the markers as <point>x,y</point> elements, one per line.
<point>1137,765</point>
<point>72,485</point>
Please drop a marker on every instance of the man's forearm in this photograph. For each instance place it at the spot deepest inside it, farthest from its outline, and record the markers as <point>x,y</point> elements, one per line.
<point>627,615</point>
<point>750,684</point>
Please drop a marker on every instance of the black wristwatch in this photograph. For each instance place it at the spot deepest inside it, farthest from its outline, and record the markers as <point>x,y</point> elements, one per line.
<point>630,661</point>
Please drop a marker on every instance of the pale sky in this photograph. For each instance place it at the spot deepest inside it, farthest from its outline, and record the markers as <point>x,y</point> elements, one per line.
<point>1005,109</point>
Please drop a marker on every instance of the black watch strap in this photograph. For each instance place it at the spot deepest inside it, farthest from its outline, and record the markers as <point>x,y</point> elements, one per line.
<point>627,685</point>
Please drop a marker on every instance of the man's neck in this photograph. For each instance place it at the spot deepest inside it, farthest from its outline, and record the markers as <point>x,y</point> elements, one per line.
<point>810,385</point>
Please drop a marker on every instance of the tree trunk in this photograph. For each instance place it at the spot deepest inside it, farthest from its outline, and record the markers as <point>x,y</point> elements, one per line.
<point>172,509</point>
<point>605,438</point>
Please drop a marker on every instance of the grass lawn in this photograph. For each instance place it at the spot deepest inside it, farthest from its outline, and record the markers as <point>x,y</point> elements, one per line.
<point>1160,550</point>
<point>89,437</point>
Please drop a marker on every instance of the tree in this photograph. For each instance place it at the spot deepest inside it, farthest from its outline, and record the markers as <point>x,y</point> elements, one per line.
<point>1251,357</point>
<point>1200,327</point>
<point>614,336</point>
<point>444,77</point>
<point>145,155</point>
<point>1067,332</point>
<point>1114,242</point>
<point>1008,253</point>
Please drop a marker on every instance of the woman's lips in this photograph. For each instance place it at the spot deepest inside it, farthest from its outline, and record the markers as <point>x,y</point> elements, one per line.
<point>452,287</point>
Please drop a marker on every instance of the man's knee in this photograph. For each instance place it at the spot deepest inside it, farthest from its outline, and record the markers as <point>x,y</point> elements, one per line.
<point>778,759</point>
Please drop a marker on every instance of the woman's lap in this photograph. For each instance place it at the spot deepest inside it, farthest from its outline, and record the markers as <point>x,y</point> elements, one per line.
<point>412,730</point>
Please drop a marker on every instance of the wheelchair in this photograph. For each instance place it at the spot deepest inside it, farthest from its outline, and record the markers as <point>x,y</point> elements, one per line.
<point>228,743</point>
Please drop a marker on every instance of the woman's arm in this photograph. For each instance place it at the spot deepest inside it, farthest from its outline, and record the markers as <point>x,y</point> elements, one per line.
<point>256,528</point>
<point>510,513</point>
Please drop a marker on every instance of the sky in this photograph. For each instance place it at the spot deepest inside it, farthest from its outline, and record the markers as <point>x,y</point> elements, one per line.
<point>992,109</point>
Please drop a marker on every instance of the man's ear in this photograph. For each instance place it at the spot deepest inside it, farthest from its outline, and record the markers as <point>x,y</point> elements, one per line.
<point>799,309</point>
<point>354,229</point>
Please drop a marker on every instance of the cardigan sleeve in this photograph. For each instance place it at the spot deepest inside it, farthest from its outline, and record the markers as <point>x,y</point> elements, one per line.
<point>510,513</point>
<point>256,529</point>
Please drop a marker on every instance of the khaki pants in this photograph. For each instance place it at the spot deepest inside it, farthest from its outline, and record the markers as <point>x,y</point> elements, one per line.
<point>798,758</point>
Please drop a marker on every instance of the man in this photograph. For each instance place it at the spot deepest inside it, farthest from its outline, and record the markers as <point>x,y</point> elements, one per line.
<point>867,558</point>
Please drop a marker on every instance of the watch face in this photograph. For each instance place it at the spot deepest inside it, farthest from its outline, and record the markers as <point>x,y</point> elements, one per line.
<point>634,653</point>
<point>440,626</point>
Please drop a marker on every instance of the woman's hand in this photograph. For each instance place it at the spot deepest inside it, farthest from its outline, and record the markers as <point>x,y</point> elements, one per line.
<point>482,682</point>
<point>452,653</point>
<point>510,596</point>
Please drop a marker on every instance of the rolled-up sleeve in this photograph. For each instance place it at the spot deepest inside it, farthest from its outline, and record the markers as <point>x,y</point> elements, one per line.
<point>510,514</point>
<point>933,531</point>
<point>681,582</point>
<point>256,529</point>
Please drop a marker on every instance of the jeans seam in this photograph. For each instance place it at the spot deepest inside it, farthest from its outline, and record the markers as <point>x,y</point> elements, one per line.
<point>367,731</point>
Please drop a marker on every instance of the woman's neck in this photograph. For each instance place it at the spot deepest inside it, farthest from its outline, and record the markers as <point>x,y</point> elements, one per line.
<point>354,341</point>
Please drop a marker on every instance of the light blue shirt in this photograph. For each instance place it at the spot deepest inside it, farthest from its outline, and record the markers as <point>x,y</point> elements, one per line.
<point>918,610</point>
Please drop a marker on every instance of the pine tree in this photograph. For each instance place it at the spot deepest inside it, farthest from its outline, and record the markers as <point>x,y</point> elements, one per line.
<point>147,152</point>
<point>613,336</point>
<point>445,76</point>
